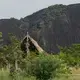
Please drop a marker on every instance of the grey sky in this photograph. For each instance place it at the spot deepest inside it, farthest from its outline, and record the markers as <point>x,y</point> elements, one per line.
<point>22,8</point>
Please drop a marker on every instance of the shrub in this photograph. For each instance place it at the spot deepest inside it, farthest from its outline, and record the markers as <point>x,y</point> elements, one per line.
<point>44,67</point>
<point>71,55</point>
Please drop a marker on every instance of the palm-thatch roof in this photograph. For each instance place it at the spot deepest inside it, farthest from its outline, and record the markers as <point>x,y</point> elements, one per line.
<point>29,44</point>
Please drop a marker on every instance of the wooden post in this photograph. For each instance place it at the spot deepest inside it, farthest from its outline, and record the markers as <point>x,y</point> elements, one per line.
<point>27,44</point>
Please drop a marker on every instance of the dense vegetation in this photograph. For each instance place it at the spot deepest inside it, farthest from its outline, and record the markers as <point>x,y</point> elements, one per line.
<point>14,66</point>
<point>71,55</point>
<point>56,28</point>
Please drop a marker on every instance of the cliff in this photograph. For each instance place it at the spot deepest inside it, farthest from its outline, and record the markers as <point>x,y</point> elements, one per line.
<point>57,25</point>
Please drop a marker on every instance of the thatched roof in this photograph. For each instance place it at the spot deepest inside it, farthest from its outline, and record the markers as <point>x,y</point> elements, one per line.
<point>29,44</point>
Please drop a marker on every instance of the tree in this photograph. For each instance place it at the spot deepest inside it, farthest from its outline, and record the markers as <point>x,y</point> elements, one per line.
<point>44,67</point>
<point>12,53</point>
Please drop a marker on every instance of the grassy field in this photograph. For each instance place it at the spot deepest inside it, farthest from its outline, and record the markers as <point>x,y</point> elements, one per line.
<point>71,77</point>
<point>74,76</point>
<point>4,75</point>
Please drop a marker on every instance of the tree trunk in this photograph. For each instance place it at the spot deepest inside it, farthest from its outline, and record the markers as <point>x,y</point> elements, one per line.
<point>16,64</point>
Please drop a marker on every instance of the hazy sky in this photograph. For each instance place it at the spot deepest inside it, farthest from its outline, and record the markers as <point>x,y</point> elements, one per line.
<point>22,8</point>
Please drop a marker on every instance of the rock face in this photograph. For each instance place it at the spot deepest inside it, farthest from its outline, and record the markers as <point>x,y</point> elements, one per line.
<point>52,26</point>
<point>9,26</point>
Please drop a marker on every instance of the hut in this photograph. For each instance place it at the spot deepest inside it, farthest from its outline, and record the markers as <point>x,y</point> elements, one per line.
<point>29,44</point>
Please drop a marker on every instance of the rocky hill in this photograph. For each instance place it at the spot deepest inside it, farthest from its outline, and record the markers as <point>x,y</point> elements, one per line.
<point>52,26</point>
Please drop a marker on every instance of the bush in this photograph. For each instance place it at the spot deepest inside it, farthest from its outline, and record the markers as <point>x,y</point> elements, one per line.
<point>71,55</point>
<point>5,75</point>
<point>44,67</point>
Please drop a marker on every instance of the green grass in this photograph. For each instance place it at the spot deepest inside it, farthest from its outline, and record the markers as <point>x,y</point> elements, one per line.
<point>70,77</point>
<point>4,75</point>
<point>74,76</point>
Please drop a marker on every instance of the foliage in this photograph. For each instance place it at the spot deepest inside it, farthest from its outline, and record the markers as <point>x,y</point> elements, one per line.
<point>71,55</point>
<point>10,54</point>
<point>39,66</point>
<point>0,34</point>
<point>5,75</point>
<point>58,10</point>
<point>1,39</point>
<point>45,67</point>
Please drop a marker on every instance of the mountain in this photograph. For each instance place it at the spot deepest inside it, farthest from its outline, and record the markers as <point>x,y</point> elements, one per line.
<point>57,25</point>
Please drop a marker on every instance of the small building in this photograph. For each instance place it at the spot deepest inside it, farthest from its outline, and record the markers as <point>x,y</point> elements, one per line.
<point>29,44</point>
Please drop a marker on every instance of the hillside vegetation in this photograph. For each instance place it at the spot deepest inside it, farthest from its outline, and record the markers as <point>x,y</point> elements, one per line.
<point>14,66</point>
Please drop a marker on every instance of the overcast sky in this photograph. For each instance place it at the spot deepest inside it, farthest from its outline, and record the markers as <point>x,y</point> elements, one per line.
<point>22,8</point>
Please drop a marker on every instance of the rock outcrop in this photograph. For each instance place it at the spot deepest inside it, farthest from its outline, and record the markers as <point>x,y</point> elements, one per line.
<point>57,25</point>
